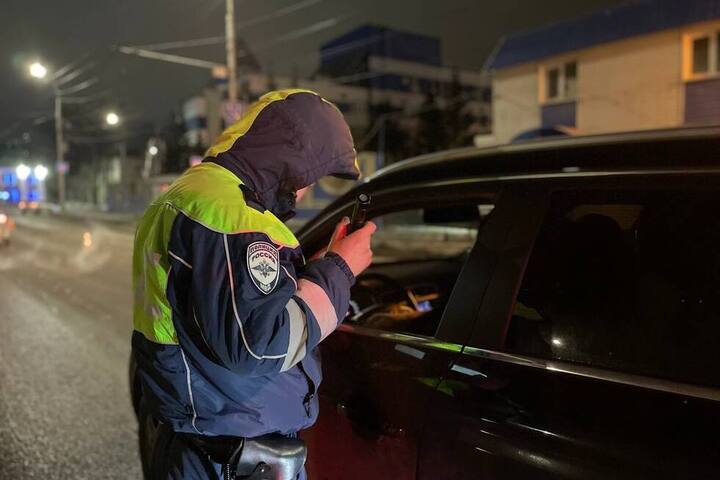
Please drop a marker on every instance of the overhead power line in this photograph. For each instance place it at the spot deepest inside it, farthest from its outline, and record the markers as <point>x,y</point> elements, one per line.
<point>281,12</point>
<point>68,67</point>
<point>79,87</point>
<point>218,39</point>
<point>302,32</point>
<point>62,80</point>
<point>201,63</point>
<point>102,95</point>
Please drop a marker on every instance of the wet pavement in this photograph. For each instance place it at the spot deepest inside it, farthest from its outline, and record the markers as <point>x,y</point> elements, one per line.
<point>65,324</point>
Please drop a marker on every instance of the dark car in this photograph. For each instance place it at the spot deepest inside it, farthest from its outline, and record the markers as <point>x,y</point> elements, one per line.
<point>544,310</point>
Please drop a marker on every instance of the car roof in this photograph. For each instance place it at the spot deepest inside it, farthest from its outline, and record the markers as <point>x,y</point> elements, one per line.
<point>683,148</point>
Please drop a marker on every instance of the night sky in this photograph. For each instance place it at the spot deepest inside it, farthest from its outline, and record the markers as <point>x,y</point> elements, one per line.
<point>59,32</point>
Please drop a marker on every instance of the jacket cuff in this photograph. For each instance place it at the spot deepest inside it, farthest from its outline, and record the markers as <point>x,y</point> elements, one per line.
<point>342,265</point>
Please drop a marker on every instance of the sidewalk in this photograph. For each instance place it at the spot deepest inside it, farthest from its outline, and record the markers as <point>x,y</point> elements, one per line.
<point>78,212</point>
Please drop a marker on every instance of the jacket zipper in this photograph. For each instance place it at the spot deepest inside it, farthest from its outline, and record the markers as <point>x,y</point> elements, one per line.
<point>311,390</point>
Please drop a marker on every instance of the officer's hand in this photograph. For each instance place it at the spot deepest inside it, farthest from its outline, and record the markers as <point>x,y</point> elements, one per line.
<point>339,232</point>
<point>353,248</point>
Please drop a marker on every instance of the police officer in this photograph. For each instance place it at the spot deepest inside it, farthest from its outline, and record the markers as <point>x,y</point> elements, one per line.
<point>227,314</point>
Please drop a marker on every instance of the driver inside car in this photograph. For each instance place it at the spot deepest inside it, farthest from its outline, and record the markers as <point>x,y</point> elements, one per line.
<point>227,314</point>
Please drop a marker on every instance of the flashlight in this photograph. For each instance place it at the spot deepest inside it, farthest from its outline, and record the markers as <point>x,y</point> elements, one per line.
<point>359,215</point>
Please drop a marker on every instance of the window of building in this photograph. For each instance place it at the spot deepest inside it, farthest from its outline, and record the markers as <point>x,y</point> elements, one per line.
<point>560,82</point>
<point>553,83</point>
<point>702,55</point>
<point>625,280</point>
<point>570,79</point>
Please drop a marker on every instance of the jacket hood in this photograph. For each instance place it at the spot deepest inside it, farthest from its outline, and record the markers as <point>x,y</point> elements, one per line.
<point>287,140</point>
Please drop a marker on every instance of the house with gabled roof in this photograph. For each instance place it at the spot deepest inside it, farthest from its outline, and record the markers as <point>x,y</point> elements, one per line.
<point>643,65</point>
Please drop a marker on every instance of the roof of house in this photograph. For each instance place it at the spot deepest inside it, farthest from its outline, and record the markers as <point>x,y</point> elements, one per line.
<point>637,18</point>
<point>384,42</point>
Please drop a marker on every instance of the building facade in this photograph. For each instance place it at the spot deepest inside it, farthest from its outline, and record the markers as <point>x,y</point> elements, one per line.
<point>371,73</point>
<point>365,72</point>
<point>648,65</point>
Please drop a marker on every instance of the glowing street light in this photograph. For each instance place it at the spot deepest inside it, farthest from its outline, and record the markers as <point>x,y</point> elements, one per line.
<point>40,172</point>
<point>38,70</point>
<point>112,119</point>
<point>22,171</point>
<point>153,150</point>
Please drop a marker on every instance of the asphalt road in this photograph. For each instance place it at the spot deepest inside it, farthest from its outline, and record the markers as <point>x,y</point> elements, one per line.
<point>65,323</point>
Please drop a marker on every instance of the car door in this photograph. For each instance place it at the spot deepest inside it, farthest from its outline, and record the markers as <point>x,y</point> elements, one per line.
<point>593,356</point>
<point>378,377</point>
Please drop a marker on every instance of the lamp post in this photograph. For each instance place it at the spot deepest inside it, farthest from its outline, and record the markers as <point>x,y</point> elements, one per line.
<point>59,150</point>
<point>39,71</point>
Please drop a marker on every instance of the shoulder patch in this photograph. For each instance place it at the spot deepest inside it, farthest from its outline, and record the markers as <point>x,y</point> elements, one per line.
<point>263,265</point>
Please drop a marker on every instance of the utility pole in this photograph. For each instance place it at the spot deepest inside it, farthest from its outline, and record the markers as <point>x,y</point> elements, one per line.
<point>230,51</point>
<point>59,150</point>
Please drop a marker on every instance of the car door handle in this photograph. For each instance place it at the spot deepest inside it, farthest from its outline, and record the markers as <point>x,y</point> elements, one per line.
<point>470,372</point>
<point>480,379</point>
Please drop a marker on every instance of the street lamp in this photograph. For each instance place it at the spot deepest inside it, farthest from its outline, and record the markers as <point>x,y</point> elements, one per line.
<point>153,150</point>
<point>38,70</point>
<point>22,171</point>
<point>112,119</point>
<point>40,172</point>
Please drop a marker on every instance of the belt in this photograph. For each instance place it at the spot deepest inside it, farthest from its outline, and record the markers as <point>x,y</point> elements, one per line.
<point>269,457</point>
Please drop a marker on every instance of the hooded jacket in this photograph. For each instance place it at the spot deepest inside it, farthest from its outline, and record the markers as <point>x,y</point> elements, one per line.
<point>227,315</point>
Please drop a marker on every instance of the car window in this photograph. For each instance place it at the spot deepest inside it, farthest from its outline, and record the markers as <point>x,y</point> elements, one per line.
<point>625,280</point>
<point>418,255</point>
<point>425,234</point>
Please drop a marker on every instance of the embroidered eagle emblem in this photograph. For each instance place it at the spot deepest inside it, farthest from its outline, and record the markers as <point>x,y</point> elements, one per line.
<point>263,263</point>
<point>264,269</point>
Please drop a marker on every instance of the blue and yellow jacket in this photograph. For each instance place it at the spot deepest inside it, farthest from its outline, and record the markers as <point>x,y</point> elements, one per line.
<point>227,315</point>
